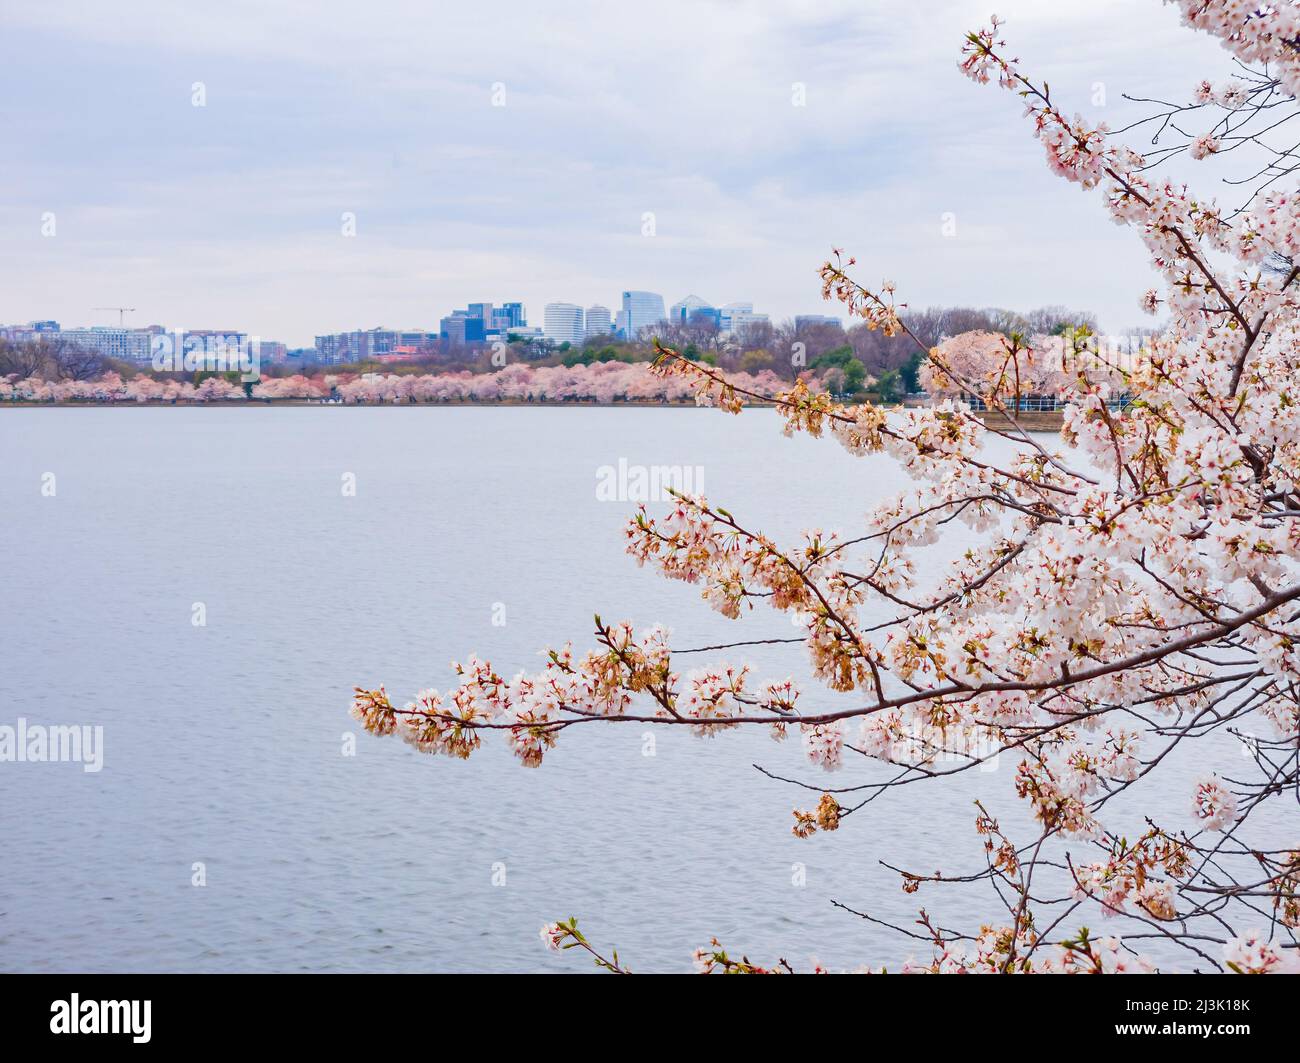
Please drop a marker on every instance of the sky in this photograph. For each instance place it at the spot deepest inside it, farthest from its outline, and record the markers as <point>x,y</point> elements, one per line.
<point>558,152</point>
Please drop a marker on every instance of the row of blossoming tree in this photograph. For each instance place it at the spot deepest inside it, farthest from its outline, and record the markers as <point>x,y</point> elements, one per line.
<point>995,368</point>
<point>599,382</point>
<point>1138,590</point>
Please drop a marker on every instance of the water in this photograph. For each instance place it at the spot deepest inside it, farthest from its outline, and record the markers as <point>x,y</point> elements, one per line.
<point>224,743</point>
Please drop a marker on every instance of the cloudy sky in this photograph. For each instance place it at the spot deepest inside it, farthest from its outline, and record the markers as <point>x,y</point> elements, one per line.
<point>230,214</point>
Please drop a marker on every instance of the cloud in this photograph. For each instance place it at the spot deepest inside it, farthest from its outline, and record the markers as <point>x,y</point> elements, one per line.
<point>230,213</point>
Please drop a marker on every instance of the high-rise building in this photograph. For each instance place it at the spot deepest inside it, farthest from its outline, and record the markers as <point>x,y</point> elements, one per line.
<point>459,328</point>
<point>814,319</point>
<point>599,323</point>
<point>480,321</point>
<point>735,316</point>
<point>564,323</point>
<point>726,313</point>
<point>682,312</point>
<point>327,348</point>
<point>508,318</point>
<point>358,345</point>
<point>127,344</point>
<point>641,310</point>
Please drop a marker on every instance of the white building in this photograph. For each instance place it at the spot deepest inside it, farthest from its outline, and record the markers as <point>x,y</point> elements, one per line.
<point>599,322</point>
<point>125,344</point>
<point>736,316</point>
<point>564,323</point>
<point>641,310</point>
<point>523,332</point>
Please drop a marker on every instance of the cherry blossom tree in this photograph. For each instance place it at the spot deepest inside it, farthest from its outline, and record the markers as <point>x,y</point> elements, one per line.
<point>111,388</point>
<point>603,382</point>
<point>1007,369</point>
<point>290,387</point>
<point>1137,592</point>
<point>981,363</point>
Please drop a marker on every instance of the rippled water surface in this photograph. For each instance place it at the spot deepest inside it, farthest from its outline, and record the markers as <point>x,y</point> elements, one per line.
<point>224,744</point>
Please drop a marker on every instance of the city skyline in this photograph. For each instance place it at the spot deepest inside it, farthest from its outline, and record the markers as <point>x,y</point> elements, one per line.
<point>478,322</point>
<point>251,176</point>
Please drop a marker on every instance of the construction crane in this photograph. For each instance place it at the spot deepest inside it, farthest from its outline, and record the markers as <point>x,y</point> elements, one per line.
<point>122,311</point>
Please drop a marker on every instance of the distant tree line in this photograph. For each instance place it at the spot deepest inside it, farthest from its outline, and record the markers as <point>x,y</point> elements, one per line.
<point>853,361</point>
<point>52,358</point>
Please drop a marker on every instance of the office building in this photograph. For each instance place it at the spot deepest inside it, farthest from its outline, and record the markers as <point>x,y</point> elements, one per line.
<point>599,323</point>
<point>510,316</point>
<point>460,329</point>
<point>680,313</point>
<point>641,310</point>
<point>735,317</point>
<point>803,320</point>
<point>126,344</point>
<point>563,323</point>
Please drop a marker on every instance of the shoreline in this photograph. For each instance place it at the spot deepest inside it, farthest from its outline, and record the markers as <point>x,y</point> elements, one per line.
<point>365,406</point>
<point>248,403</point>
<point>1029,420</point>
